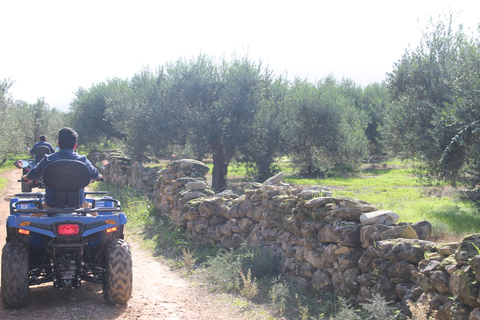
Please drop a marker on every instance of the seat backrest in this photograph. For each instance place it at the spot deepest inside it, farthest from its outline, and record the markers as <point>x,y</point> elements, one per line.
<point>41,151</point>
<point>67,178</point>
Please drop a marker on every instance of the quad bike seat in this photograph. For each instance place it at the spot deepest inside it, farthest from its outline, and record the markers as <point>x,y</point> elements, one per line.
<point>40,152</point>
<point>67,178</point>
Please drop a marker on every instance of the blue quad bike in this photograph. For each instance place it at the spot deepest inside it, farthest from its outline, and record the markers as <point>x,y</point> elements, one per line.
<point>67,244</point>
<point>27,165</point>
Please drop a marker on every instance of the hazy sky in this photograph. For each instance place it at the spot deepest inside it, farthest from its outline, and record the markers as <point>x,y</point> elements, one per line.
<point>51,48</point>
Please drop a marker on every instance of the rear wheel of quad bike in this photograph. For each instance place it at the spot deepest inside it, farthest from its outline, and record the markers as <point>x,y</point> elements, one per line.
<point>117,287</point>
<point>15,279</point>
<point>26,187</point>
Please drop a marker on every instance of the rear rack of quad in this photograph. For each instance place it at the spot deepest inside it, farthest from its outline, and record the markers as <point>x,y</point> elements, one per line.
<point>31,202</point>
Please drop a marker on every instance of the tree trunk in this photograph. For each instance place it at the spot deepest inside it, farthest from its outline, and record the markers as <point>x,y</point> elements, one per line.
<point>221,158</point>
<point>264,170</point>
<point>219,172</point>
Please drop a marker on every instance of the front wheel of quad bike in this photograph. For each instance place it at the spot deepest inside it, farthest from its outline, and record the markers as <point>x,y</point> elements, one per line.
<point>26,187</point>
<point>15,278</point>
<point>117,287</point>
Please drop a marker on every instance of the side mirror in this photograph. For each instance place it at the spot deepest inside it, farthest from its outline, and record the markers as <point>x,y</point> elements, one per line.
<point>20,164</point>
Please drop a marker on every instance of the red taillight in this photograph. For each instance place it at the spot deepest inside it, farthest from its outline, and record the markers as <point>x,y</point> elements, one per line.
<point>68,229</point>
<point>112,229</point>
<point>23,231</point>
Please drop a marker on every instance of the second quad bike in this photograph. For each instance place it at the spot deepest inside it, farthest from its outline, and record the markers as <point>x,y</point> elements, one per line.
<point>27,165</point>
<point>67,244</point>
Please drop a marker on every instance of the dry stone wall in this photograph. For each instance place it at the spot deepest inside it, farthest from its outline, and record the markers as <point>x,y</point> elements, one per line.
<point>327,244</point>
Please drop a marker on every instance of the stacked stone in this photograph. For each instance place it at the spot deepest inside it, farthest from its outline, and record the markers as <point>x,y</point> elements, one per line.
<point>448,279</point>
<point>143,178</point>
<point>328,244</point>
<point>179,183</point>
<point>114,166</point>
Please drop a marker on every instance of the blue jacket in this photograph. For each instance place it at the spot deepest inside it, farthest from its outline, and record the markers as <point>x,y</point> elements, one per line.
<point>41,143</point>
<point>37,172</point>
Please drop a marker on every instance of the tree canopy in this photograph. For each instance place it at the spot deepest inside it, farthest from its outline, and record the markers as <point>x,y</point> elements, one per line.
<point>228,109</point>
<point>236,109</point>
<point>23,123</point>
<point>434,112</point>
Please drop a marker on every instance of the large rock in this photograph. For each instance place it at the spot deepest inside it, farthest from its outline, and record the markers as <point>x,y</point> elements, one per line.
<point>469,247</point>
<point>386,217</point>
<point>196,185</point>
<point>344,234</point>
<point>350,209</point>
<point>209,207</point>
<point>191,167</point>
<point>315,191</point>
<point>370,234</point>
<point>405,232</point>
<point>322,282</point>
<point>318,202</point>
<point>275,180</point>
<point>410,250</point>
<point>346,282</point>
<point>423,229</point>
<point>447,249</point>
<point>464,286</point>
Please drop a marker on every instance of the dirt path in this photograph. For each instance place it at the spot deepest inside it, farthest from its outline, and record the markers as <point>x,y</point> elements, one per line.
<point>158,293</point>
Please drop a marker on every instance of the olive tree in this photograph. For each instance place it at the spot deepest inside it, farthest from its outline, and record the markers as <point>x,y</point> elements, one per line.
<point>89,117</point>
<point>420,87</point>
<point>40,119</point>
<point>140,109</point>
<point>11,117</point>
<point>324,127</point>
<point>193,91</point>
<point>459,160</point>
<point>375,101</point>
<point>219,102</point>
<point>267,139</point>
<point>434,113</point>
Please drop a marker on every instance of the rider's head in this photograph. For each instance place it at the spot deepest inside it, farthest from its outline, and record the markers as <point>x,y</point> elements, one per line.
<point>67,138</point>
<point>43,138</point>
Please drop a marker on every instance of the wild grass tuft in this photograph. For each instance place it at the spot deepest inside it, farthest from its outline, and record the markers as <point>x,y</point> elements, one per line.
<point>278,294</point>
<point>377,308</point>
<point>188,259</point>
<point>421,311</point>
<point>303,309</point>
<point>248,288</point>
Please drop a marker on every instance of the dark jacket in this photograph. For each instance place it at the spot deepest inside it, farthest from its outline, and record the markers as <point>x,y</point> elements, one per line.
<point>37,172</point>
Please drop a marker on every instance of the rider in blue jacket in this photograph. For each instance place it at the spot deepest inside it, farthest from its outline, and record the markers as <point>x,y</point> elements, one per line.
<point>67,142</point>
<point>42,142</point>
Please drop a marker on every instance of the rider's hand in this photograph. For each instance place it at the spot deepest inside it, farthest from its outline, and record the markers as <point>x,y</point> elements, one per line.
<point>100,178</point>
<point>24,178</point>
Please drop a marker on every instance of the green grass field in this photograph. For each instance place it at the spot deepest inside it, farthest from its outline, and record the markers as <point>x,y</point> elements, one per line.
<point>7,166</point>
<point>391,185</point>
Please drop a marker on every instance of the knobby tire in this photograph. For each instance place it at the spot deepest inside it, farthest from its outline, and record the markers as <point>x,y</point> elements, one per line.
<point>15,278</point>
<point>117,287</point>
